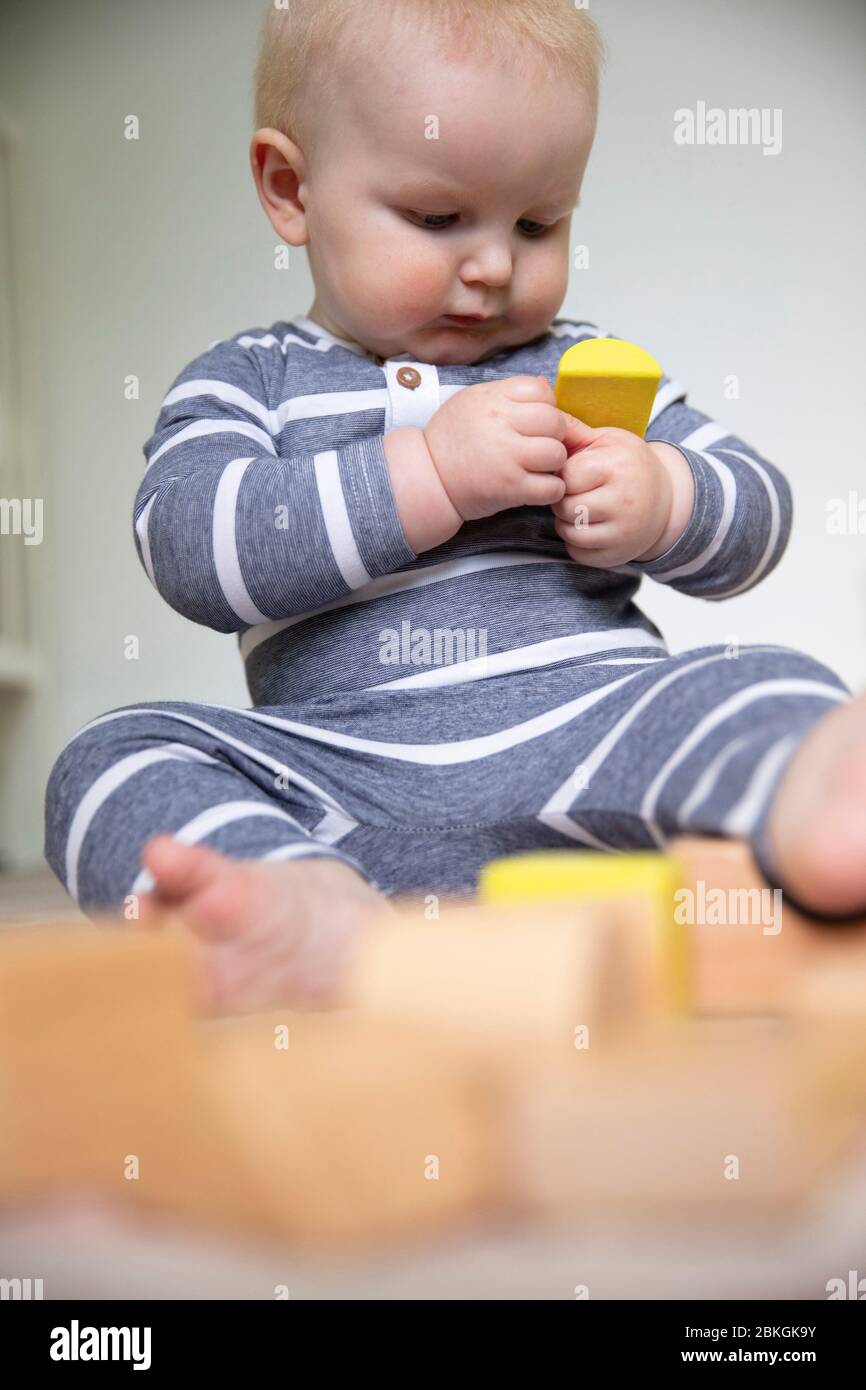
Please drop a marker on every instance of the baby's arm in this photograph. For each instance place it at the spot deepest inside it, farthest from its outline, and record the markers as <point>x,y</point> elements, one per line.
<point>233,532</point>
<point>740,519</point>
<point>426,512</point>
<point>713,515</point>
<point>491,446</point>
<point>682,497</point>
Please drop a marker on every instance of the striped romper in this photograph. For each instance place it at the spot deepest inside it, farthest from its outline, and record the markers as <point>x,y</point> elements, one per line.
<point>417,715</point>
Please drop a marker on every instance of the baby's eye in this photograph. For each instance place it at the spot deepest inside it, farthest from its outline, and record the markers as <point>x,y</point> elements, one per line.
<point>539,227</point>
<point>439,219</point>
<point>436,221</point>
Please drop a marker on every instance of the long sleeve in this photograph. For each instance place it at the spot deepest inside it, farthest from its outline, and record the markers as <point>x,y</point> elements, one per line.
<point>742,513</point>
<point>233,533</point>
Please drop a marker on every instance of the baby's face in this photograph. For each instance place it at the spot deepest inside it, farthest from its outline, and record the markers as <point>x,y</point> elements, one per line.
<point>404,229</point>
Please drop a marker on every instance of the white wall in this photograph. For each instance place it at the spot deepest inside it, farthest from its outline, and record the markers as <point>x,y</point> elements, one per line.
<point>722,260</point>
<point>135,255</point>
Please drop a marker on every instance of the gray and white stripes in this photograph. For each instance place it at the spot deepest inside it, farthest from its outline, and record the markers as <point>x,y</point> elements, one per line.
<point>266,510</point>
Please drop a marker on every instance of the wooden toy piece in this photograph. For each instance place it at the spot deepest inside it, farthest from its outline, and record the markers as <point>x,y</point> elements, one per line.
<point>502,975</point>
<point>834,988</point>
<point>108,1086</point>
<point>718,1120</point>
<point>358,1130</point>
<point>93,1020</point>
<point>750,946</point>
<point>606,381</point>
<point>180,1154</point>
<point>829,995</point>
<point>638,889</point>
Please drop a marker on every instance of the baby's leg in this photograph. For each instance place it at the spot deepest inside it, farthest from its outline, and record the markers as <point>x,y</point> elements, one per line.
<point>762,743</point>
<point>812,837</point>
<point>271,932</point>
<point>192,806</point>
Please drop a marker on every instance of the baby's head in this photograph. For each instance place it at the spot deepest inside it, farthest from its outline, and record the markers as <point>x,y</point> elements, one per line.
<point>429,154</point>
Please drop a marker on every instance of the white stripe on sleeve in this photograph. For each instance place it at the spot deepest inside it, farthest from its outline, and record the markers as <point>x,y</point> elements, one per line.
<point>225,544</point>
<point>337,524</point>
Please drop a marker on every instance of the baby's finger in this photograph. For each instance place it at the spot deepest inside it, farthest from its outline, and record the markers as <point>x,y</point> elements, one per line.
<point>543,456</point>
<point>529,388</point>
<point>593,502</point>
<point>536,418</point>
<point>577,434</point>
<point>585,470</point>
<point>592,536</point>
<point>541,490</point>
<point>605,559</point>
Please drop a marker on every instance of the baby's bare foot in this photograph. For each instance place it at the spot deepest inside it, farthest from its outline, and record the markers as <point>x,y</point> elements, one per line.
<point>271,933</point>
<point>817,825</point>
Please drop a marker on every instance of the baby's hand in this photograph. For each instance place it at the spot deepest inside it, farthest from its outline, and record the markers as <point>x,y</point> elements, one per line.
<point>500,444</point>
<point>618,497</point>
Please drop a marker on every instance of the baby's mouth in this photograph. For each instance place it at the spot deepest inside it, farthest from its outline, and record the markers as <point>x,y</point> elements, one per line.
<point>466,320</point>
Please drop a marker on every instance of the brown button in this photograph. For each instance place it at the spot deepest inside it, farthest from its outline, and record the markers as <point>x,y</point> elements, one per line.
<point>408,377</point>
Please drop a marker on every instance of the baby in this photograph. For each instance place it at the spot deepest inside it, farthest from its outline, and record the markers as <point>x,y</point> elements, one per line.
<point>356,490</point>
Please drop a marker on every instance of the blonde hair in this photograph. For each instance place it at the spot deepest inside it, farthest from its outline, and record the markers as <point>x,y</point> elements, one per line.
<point>304,44</point>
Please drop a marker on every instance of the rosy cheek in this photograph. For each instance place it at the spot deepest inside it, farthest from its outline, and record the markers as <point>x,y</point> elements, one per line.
<point>416,290</point>
<point>541,279</point>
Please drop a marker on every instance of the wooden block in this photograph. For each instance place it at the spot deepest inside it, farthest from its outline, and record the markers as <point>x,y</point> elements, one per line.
<point>638,889</point>
<point>503,976</point>
<point>830,998</point>
<point>606,381</point>
<point>93,1019</point>
<point>107,1086</point>
<point>189,1162</point>
<point>750,946</point>
<point>653,1131</point>
<point>834,988</point>
<point>355,1132</point>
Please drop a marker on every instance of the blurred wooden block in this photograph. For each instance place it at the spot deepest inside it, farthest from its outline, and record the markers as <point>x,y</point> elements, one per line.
<point>638,889</point>
<point>750,946</point>
<point>833,988</point>
<point>505,975</point>
<point>92,1022</point>
<point>499,1057</point>
<point>356,1131</point>
<point>655,1130</point>
<point>830,999</point>
<point>359,1129</point>
<point>714,937</point>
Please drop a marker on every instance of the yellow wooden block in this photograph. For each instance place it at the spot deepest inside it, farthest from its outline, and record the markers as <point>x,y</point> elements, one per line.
<point>608,382</point>
<point>643,884</point>
<point>553,874</point>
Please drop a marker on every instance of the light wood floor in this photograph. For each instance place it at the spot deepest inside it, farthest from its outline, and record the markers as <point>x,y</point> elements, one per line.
<point>34,895</point>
